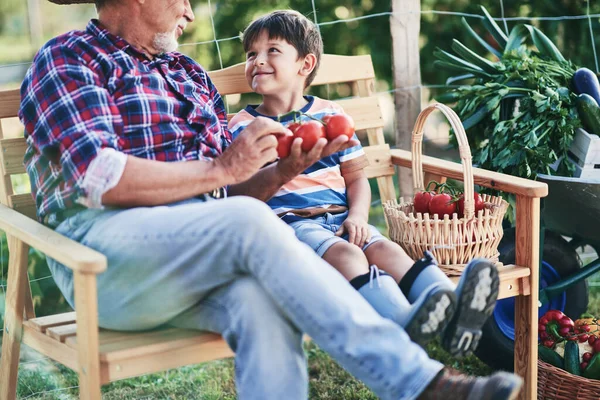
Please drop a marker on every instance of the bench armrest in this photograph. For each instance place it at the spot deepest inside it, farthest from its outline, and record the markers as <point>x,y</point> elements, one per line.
<point>64,250</point>
<point>490,179</point>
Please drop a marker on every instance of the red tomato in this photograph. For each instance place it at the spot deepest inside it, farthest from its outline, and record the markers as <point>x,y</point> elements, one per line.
<point>479,204</point>
<point>337,125</point>
<point>421,201</point>
<point>284,145</point>
<point>293,126</point>
<point>442,204</point>
<point>548,343</point>
<point>310,132</point>
<point>596,346</point>
<point>583,365</point>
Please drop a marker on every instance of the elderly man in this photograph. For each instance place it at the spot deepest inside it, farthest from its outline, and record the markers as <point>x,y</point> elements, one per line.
<point>128,151</point>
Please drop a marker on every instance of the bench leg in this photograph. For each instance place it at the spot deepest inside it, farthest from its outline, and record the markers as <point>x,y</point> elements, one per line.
<point>86,306</point>
<point>526,307</point>
<point>13,322</point>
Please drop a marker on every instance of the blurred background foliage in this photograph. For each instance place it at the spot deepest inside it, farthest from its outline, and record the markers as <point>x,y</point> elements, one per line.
<point>25,24</point>
<point>364,36</point>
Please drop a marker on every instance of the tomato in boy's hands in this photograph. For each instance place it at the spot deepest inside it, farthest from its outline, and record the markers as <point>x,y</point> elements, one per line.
<point>337,125</point>
<point>284,145</point>
<point>310,132</point>
<point>294,126</point>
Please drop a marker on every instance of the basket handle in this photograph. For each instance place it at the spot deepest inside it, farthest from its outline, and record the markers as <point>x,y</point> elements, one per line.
<point>463,148</point>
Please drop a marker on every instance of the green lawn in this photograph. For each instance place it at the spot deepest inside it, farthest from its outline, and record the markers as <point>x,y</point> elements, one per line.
<point>45,380</point>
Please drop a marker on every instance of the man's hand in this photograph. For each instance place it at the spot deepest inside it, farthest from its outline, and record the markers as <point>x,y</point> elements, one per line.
<point>357,229</point>
<point>298,161</point>
<point>255,147</point>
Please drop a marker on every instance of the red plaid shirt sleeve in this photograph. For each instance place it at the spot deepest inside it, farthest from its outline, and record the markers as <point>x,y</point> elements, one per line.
<point>69,118</point>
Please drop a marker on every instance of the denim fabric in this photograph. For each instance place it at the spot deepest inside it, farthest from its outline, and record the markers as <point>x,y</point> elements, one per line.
<point>319,232</point>
<point>232,267</point>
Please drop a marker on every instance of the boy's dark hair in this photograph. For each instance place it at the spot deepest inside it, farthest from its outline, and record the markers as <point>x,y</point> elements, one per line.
<point>294,28</point>
<point>100,3</point>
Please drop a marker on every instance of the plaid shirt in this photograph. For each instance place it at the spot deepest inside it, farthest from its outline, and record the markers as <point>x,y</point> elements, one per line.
<point>89,91</point>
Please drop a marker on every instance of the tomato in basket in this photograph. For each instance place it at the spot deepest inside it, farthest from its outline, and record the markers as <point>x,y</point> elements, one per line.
<point>442,204</point>
<point>479,204</point>
<point>421,201</point>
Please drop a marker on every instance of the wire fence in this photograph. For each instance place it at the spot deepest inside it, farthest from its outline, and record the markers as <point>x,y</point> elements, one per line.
<point>588,17</point>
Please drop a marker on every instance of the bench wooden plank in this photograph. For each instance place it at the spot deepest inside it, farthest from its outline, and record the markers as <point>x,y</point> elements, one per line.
<point>42,323</point>
<point>11,155</point>
<point>24,204</point>
<point>333,69</point>
<point>116,345</point>
<point>380,161</point>
<point>514,281</point>
<point>49,347</point>
<point>10,101</point>
<point>62,332</point>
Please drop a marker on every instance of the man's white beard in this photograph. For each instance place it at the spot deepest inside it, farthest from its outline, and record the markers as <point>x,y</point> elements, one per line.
<point>165,42</point>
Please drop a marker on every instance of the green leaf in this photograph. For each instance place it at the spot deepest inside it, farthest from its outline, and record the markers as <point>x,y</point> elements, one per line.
<point>544,44</point>
<point>475,59</point>
<point>456,68</point>
<point>459,78</point>
<point>494,29</point>
<point>448,97</point>
<point>452,59</point>
<point>485,44</point>
<point>518,36</point>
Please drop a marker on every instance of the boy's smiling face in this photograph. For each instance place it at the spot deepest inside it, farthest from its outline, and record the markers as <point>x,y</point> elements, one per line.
<point>273,66</point>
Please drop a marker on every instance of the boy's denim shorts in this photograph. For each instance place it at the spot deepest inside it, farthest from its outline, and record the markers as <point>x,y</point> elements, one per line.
<point>319,232</point>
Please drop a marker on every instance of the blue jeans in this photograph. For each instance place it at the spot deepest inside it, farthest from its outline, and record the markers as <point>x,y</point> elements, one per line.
<point>231,266</point>
<point>319,232</point>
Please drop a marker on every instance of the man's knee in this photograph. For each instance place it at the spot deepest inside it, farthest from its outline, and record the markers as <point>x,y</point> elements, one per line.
<point>257,316</point>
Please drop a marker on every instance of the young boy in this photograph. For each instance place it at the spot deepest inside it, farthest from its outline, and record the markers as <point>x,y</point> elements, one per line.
<point>328,205</point>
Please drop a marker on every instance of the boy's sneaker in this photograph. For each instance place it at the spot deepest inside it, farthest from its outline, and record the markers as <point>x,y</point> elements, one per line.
<point>476,295</point>
<point>430,314</point>
<point>457,386</point>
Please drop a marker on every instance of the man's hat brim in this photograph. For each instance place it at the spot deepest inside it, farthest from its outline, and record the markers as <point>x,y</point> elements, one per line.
<point>65,2</point>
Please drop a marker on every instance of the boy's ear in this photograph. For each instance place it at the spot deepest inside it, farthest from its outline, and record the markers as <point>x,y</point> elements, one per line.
<point>309,64</point>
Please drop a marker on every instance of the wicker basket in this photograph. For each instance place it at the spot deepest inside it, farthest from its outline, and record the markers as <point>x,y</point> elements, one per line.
<point>556,383</point>
<point>453,241</point>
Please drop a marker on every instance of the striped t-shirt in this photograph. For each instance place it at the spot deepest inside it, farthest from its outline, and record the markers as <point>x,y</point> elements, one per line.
<point>321,187</point>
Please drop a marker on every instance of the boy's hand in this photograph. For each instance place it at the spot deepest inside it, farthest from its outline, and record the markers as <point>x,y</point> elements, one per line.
<point>298,161</point>
<point>357,229</point>
<point>255,147</point>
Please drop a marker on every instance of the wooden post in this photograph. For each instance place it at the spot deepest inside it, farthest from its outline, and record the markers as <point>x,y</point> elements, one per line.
<point>13,320</point>
<point>527,254</point>
<point>405,25</point>
<point>35,24</point>
<point>86,306</point>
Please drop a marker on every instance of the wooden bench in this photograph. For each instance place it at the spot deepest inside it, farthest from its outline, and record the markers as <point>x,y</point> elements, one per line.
<point>101,356</point>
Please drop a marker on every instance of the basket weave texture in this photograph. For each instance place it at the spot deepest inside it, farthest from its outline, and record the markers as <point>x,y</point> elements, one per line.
<point>453,241</point>
<point>556,383</point>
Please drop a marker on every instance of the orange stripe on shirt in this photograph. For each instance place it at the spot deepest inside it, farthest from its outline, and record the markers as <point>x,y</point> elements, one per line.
<point>331,179</point>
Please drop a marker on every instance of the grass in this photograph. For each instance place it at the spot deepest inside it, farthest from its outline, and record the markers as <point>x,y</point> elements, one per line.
<point>45,380</point>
